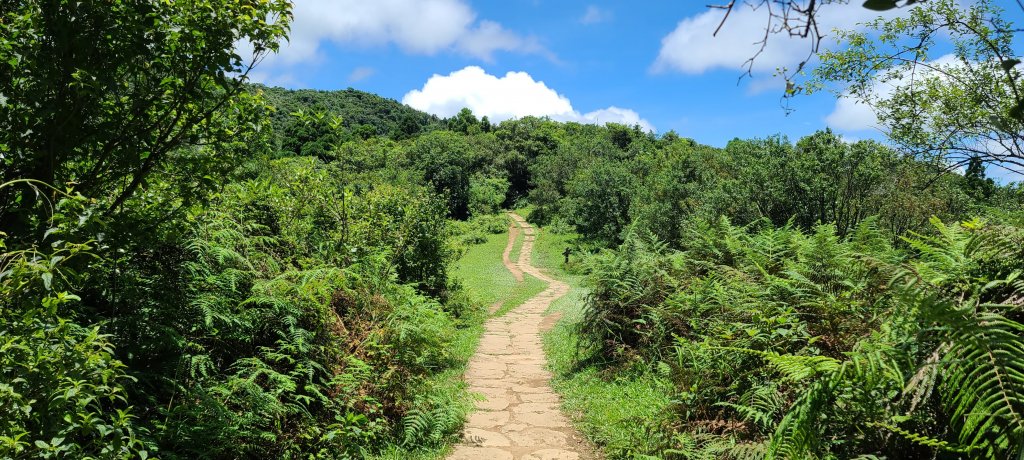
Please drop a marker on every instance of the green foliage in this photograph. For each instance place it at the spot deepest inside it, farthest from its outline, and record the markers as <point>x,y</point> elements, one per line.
<point>103,94</point>
<point>486,194</point>
<point>597,201</point>
<point>63,389</point>
<point>981,187</point>
<point>313,134</point>
<point>947,101</point>
<point>299,345</point>
<point>357,111</point>
<point>523,142</point>
<point>444,159</point>
<point>783,344</point>
<point>413,231</point>
<point>465,122</point>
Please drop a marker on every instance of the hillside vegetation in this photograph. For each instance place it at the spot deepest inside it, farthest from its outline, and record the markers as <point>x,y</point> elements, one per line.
<point>194,266</point>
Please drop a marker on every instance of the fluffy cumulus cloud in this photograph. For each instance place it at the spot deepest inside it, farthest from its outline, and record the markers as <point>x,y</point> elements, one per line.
<point>692,48</point>
<point>851,115</point>
<point>424,27</point>
<point>514,95</point>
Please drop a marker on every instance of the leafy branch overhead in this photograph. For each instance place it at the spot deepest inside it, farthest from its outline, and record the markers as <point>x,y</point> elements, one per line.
<point>106,92</point>
<point>946,108</point>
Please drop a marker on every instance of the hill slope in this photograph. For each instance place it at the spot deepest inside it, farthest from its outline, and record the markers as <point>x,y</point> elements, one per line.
<point>357,109</point>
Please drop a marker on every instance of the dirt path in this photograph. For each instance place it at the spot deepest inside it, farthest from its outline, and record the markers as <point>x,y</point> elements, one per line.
<point>506,257</point>
<point>520,417</point>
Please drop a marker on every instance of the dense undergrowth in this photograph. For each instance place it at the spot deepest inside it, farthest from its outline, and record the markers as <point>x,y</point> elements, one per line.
<point>300,327</point>
<point>195,267</point>
<point>783,343</point>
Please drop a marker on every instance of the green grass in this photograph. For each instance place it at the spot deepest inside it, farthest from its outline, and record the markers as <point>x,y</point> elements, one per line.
<point>524,211</point>
<point>487,281</point>
<point>522,292</point>
<point>618,412</point>
<point>517,246</point>
<point>547,254</point>
<point>481,272</point>
<point>621,412</point>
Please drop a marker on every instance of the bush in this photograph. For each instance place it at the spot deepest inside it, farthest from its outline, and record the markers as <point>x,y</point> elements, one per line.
<point>62,390</point>
<point>788,343</point>
<point>306,345</point>
<point>486,195</point>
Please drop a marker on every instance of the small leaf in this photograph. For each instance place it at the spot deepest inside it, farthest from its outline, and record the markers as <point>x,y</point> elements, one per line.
<point>1017,112</point>
<point>47,280</point>
<point>880,5</point>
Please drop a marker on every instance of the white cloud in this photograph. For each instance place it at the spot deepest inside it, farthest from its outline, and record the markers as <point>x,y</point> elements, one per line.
<point>424,27</point>
<point>361,73</point>
<point>615,114</point>
<point>490,36</point>
<point>851,115</point>
<point>285,80</point>
<point>595,15</point>
<point>514,95</point>
<point>692,48</point>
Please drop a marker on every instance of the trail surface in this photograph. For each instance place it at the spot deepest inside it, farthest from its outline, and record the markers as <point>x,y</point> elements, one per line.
<point>519,419</point>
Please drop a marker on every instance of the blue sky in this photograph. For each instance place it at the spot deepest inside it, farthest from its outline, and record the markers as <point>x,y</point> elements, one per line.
<point>653,63</point>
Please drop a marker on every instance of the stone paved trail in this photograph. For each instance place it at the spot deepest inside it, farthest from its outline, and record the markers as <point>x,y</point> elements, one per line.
<point>520,418</point>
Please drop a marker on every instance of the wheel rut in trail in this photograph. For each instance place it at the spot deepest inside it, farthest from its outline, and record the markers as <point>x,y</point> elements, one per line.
<point>519,417</point>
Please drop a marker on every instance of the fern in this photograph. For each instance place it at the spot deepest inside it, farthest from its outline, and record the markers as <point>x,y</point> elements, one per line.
<point>976,362</point>
<point>431,423</point>
<point>760,405</point>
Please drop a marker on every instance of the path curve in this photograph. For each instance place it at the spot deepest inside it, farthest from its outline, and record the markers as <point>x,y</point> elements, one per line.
<point>519,419</point>
<point>506,257</point>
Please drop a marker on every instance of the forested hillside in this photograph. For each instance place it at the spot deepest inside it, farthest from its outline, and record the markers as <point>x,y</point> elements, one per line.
<point>194,266</point>
<point>362,115</point>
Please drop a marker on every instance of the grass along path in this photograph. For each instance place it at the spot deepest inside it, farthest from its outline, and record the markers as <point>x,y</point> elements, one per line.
<point>484,275</point>
<point>518,416</point>
<point>618,414</point>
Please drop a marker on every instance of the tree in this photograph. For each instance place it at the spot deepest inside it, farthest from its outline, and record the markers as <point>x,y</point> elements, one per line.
<point>312,133</point>
<point>465,122</point>
<point>598,200</point>
<point>947,108</point>
<point>444,158</point>
<point>981,187</point>
<point>99,94</point>
<point>523,141</point>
